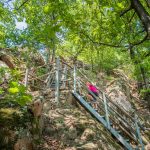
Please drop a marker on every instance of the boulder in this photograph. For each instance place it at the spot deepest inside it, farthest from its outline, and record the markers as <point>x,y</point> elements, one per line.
<point>147,147</point>
<point>87,134</point>
<point>72,134</point>
<point>118,96</point>
<point>37,108</point>
<point>7,60</point>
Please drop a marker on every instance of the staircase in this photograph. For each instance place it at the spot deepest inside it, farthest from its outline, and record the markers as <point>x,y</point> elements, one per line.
<point>102,119</point>
<point>124,127</point>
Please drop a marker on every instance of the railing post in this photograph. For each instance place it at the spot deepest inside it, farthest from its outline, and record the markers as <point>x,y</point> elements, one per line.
<point>74,75</point>
<point>138,131</point>
<point>48,81</point>
<point>79,86</point>
<point>64,76</point>
<point>26,77</point>
<point>57,81</point>
<point>106,111</point>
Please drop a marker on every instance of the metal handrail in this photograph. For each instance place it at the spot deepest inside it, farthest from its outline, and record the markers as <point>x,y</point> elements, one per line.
<point>125,122</point>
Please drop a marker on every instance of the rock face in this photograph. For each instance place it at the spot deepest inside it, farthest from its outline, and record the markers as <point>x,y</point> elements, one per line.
<point>73,129</point>
<point>7,60</point>
<point>118,96</point>
<point>118,89</point>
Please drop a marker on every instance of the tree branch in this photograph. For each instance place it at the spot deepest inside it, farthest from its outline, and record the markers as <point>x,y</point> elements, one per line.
<point>22,4</point>
<point>140,42</point>
<point>143,14</point>
<point>148,54</point>
<point>147,3</point>
<point>131,17</point>
<point>100,43</point>
<point>125,11</point>
<point>139,33</point>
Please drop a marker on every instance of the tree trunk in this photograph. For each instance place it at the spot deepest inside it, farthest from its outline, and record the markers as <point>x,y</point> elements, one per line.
<point>144,77</point>
<point>142,74</point>
<point>143,15</point>
<point>132,55</point>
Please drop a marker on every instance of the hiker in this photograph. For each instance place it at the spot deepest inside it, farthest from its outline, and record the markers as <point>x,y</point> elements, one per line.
<point>92,91</point>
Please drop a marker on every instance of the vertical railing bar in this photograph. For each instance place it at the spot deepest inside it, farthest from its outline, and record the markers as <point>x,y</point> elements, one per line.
<point>138,131</point>
<point>79,86</point>
<point>48,78</point>
<point>57,81</point>
<point>48,81</point>
<point>52,80</point>
<point>64,77</point>
<point>74,74</point>
<point>26,77</point>
<point>106,110</point>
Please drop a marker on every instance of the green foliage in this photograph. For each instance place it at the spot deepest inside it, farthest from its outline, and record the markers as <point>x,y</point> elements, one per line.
<point>145,93</point>
<point>14,92</point>
<point>17,93</point>
<point>1,91</point>
<point>41,71</point>
<point>89,30</point>
<point>13,106</point>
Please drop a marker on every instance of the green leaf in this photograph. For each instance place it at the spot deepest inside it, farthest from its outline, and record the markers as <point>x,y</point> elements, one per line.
<point>22,88</point>
<point>14,84</point>
<point>23,100</point>
<point>120,5</point>
<point>13,90</point>
<point>1,91</point>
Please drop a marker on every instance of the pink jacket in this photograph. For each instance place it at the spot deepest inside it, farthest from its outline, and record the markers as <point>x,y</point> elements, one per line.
<point>93,88</point>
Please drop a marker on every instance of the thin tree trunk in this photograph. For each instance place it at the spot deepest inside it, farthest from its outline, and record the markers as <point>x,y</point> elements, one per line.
<point>141,69</point>
<point>142,14</point>
<point>132,56</point>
